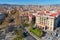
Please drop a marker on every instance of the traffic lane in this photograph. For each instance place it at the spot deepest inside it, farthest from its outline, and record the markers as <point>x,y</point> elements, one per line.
<point>29,37</point>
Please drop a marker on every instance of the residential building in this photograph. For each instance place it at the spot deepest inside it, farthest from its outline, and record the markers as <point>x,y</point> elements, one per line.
<point>23,17</point>
<point>47,20</point>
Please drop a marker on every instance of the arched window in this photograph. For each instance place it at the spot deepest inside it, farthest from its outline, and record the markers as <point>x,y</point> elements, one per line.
<point>46,27</point>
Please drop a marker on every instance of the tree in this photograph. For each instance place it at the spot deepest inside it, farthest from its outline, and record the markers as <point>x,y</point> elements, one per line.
<point>17,37</point>
<point>18,31</point>
<point>1,22</point>
<point>25,24</point>
<point>19,34</point>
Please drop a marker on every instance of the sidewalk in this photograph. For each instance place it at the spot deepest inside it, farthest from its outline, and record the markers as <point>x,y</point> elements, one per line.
<point>37,38</point>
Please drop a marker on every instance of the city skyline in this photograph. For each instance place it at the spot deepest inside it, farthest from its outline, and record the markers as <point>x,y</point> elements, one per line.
<point>30,2</point>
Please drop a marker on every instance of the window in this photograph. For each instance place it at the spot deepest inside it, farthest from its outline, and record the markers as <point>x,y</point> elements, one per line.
<point>51,22</point>
<point>40,18</point>
<point>48,23</point>
<point>47,17</point>
<point>42,27</point>
<point>50,28</point>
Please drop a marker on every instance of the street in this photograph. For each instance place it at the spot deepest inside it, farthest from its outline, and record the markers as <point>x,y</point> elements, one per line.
<point>30,38</point>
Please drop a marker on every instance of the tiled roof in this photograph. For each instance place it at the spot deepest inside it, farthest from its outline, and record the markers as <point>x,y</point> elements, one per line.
<point>41,13</point>
<point>54,14</point>
<point>58,11</point>
<point>47,12</point>
<point>30,15</point>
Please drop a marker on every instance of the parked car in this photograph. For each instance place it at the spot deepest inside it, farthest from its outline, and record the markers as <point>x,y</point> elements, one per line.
<point>25,33</point>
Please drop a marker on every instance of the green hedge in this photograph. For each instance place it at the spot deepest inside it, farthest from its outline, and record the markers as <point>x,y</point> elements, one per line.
<point>37,32</point>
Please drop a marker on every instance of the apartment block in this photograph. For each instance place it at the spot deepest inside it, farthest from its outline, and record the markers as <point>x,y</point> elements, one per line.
<point>47,20</point>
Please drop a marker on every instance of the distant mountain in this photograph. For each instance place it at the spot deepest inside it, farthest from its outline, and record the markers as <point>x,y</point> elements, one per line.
<point>28,5</point>
<point>9,5</point>
<point>5,5</point>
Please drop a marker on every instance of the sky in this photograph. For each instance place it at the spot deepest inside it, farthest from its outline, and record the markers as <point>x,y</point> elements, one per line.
<point>30,2</point>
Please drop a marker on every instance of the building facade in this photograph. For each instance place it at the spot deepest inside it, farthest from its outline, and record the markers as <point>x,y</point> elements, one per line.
<point>47,21</point>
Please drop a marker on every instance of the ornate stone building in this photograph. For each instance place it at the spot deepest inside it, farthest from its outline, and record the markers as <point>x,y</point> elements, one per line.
<point>46,20</point>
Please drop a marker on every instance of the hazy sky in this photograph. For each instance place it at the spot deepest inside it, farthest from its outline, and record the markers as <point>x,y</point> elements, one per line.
<point>29,2</point>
